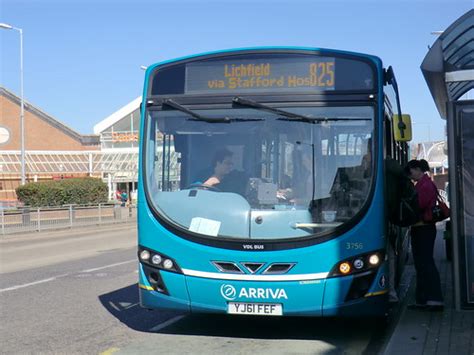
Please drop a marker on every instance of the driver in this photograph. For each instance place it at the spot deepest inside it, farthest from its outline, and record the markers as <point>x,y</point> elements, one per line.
<point>221,166</point>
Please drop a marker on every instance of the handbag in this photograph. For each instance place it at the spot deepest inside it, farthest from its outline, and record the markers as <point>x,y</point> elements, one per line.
<point>440,210</point>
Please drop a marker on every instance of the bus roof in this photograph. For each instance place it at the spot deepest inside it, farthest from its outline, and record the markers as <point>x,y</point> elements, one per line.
<point>375,59</point>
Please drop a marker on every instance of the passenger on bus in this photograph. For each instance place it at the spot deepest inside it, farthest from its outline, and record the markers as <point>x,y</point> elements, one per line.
<point>300,189</point>
<point>423,235</point>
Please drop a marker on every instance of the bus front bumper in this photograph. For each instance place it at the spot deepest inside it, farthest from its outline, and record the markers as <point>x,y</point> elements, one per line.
<point>325,297</point>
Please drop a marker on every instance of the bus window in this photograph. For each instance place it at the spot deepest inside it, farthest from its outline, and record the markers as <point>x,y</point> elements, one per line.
<point>275,165</point>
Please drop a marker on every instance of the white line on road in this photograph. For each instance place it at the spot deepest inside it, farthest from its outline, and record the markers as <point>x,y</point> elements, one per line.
<point>63,275</point>
<point>31,283</point>
<point>166,324</point>
<point>111,265</point>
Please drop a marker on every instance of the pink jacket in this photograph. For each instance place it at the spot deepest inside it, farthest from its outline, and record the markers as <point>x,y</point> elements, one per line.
<point>427,195</point>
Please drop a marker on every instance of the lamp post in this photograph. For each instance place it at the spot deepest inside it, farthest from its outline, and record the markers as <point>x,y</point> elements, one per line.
<point>22,113</point>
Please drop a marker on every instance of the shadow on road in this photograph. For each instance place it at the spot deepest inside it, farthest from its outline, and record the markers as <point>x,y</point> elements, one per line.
<point>302,328</point>
<point>123,304</point>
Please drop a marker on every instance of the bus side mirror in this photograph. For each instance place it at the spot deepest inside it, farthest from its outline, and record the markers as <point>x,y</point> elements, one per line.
<point>401,125</point>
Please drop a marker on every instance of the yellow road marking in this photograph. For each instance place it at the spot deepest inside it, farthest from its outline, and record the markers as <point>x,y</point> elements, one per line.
<point>375,293</point>
<point>109,351</point>
<point>149,288</point>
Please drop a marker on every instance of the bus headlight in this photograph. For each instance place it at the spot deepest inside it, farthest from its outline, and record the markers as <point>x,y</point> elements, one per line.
<point>357,264</point>
<point>168,264</point>
<point>157,260</point>
<point>144,255</point>
<point>374,259</point>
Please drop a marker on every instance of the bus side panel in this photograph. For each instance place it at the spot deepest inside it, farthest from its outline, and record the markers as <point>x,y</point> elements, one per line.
<point>374,302</point>
<point>177,299</point>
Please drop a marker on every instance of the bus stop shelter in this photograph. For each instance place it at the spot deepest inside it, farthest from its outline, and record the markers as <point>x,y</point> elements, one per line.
<point>448,69</point>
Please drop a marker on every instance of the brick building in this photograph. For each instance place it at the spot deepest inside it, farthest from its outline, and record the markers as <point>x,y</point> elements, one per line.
<point>53,150</point>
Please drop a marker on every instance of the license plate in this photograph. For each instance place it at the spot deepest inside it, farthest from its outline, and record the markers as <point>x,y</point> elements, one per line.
<point>260,309</point>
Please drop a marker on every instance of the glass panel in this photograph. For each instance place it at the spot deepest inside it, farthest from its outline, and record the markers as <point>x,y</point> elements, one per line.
<point>123,125</point>
<point>123,134</point>
<point>467,191</point>
<point>266,178</point>
<point>457,31</point>
<point>461,48</point>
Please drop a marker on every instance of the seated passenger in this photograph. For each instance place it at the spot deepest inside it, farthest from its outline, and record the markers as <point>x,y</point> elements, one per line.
<point>301,191</point>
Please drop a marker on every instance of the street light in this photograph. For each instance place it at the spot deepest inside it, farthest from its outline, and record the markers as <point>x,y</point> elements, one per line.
<point>22,113</point>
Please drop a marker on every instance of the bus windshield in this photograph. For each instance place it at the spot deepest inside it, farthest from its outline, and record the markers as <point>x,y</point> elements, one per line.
<point>256,174</point>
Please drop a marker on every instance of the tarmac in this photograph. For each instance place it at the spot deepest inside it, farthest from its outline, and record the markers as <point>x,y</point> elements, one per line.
<point>424,332</point>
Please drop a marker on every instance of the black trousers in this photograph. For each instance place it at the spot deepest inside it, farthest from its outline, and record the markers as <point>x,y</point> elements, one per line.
<point>428,284</point>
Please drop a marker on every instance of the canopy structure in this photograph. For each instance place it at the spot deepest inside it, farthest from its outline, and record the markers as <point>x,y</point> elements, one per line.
<point>121,165</point>
<point>448,67</point>
<point>63,162</point>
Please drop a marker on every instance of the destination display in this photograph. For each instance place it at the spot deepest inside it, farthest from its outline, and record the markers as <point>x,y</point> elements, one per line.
<point>307,74</point>
<point>264,73</point>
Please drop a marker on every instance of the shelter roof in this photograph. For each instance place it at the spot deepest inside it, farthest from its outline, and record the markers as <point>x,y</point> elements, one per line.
<point>448,67</point>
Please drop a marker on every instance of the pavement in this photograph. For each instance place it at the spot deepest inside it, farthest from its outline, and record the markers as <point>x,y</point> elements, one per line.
<point>423,332</point>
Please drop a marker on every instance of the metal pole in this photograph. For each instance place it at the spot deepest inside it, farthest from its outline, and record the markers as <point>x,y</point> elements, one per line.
<point>90,164</point>
<point>3,222</point>
<point>38,218</point>
<point>22,112</point>
<point>100,214</point>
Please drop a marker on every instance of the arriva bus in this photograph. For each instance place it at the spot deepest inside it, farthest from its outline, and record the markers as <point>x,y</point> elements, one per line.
<point>262,188</point>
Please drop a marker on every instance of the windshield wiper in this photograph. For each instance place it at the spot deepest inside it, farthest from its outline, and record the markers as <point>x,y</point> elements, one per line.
<point>257,105</point>
<point>198,117</point>
<point>325,119</point>
<point>290,116</point>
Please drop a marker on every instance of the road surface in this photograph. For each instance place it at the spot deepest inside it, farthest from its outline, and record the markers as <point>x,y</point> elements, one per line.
<point>76,292</point>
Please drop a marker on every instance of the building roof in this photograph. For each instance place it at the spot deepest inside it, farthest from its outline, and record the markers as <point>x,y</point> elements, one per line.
<point>448,67</point>
<point>117,115</point>
<point>84,139</point>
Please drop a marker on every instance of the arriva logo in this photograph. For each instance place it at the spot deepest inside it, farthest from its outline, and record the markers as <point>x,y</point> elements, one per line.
<point>230,293</point>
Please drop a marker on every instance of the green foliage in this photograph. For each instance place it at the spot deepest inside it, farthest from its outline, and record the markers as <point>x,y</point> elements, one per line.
<point>80,191</point>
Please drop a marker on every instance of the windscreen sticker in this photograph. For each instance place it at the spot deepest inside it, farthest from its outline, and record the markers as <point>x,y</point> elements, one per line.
<point>205,226</point>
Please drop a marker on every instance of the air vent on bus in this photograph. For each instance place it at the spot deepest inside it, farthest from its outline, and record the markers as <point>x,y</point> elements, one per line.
<point>278,268</point>
<point>253,267</point>
<point>226,266</point>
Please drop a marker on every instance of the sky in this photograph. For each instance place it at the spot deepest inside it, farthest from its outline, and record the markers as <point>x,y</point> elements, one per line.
<point>82,58</point>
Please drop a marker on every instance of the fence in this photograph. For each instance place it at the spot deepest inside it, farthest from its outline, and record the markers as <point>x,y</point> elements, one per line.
<point>48,218</point>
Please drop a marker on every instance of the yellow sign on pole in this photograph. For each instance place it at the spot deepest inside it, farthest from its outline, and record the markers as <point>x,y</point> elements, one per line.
<point>402,128</point>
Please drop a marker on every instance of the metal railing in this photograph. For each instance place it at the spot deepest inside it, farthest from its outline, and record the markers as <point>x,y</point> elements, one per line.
<point>30,219</point>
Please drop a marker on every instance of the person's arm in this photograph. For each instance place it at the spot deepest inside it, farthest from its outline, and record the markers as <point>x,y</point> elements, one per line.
<point>212,181</point>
